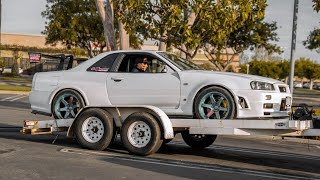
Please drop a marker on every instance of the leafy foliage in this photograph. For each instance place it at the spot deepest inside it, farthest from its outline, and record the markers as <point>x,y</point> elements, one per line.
<point>280,69</point>
<point>213,25</point>
<point>316,5</point>
<point>305,67</point>
<point>73,51</point>
<point>313,40</point>
<point>263,68</point>
<point>75,23</point>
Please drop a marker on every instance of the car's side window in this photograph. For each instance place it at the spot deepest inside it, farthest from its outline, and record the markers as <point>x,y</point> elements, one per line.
<point>104,64</point>
<point>141,63</point>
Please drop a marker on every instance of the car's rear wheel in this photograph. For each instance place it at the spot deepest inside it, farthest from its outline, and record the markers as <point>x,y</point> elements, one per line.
<point>66,104</point>
<point>211,103</point>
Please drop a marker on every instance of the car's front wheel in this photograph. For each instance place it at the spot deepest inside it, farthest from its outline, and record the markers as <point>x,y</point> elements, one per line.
<point>66,104</point>
<point>215,103</point>
<point>211,103</point>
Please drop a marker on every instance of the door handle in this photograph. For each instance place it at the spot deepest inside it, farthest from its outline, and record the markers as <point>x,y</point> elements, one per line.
<point>116,79</point>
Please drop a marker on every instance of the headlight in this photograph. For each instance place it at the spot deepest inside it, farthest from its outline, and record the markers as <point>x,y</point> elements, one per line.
<point>257,85</point>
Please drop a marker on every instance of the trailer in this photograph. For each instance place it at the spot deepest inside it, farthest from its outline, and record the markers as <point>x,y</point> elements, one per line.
<point>143,129</point>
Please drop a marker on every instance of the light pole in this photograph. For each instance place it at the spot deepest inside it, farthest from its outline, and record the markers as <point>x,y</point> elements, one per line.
<point>293,43</point>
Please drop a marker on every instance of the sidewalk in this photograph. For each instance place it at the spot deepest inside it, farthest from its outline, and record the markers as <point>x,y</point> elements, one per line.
<point>14,92</point>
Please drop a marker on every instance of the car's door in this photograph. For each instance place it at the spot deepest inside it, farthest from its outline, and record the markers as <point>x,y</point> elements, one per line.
<point>153,87</point>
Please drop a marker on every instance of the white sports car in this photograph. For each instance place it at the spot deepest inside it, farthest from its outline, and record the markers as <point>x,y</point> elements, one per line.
<point>178,87</point>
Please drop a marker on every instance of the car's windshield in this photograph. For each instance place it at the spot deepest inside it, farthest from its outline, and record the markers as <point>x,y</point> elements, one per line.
<point>180,63</point>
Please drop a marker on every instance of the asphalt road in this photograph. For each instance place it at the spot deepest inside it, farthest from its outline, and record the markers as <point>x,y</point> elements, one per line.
<point>231,157</point>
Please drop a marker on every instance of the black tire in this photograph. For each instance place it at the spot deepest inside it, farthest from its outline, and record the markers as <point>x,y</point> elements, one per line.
<point>150,138</point>
<point>198,141</point>
<point>107,132</point>
<point>201,141</point>
<point>227,101</point>
<point>166,141</point>
<point>77,100</point>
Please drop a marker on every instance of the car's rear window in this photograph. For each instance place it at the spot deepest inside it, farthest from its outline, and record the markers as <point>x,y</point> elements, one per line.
<point>104,64</point>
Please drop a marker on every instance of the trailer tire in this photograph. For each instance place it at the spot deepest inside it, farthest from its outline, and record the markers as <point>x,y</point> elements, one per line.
<point>141,134</point>
<point>198,141</point>
<point>94,129</point>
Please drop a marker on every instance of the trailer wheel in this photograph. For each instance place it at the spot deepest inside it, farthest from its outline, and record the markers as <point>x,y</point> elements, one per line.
<point>94,129</point>
<point>141,134</point>
<point>198,141</point>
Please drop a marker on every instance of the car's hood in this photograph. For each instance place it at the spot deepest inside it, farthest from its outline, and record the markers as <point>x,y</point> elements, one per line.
<point>234,75</point>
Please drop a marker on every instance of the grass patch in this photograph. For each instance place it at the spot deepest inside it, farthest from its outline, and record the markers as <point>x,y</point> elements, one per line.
<point>17,79</point>
<point>306,91</point>
<point>14,88</point>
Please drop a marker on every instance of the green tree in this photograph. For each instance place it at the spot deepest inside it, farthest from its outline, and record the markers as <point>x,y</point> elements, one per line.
<point>247,31</point>
<point>191,25</point>
<point>161,20</point>
<point>269,69</point>
<point>285,70</point>
<point>316,5</point>
<point>313,40</point>
<point>74,23</point>
<point>307,68</point>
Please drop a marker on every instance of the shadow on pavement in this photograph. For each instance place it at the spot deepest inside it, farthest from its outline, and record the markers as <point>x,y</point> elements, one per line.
<point>21,105</point>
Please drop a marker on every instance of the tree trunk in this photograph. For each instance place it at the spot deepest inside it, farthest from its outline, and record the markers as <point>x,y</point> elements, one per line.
<point>124,36</point>
<point>311,84</point>
<point>107,20</point>
<point>162,45</point>
<point>191,20</point>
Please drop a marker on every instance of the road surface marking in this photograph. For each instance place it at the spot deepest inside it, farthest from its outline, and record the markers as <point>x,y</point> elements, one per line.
<point>11,97</point>
<point>17,98</point>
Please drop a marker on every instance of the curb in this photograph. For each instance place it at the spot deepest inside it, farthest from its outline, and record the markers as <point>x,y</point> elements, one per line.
<point>300,140</point>
<point>15,92</point>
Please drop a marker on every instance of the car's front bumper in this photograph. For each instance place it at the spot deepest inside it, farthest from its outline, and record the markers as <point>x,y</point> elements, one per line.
<point>263,104</point>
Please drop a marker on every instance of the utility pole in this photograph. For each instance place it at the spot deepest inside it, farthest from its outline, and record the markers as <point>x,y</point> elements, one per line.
<point>293,43</point>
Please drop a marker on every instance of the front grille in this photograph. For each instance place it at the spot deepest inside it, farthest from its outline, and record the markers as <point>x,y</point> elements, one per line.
<point>282,89</point>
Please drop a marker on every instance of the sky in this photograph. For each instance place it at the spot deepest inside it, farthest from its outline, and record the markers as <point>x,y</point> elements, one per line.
<point>24,17</point>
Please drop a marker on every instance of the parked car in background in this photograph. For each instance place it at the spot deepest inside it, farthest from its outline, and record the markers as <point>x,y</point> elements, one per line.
<point>316,86</point>
<point>306,85</point>
<point>8,69</point>
<point>297,84</point>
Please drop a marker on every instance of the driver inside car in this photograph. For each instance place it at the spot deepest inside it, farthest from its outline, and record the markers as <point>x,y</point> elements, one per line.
<point>141,65</point>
